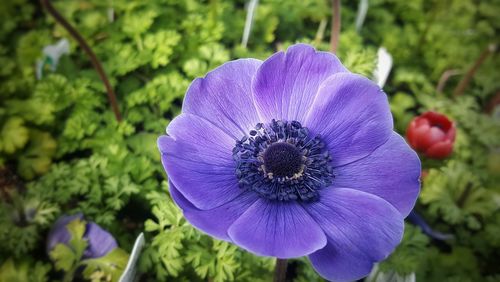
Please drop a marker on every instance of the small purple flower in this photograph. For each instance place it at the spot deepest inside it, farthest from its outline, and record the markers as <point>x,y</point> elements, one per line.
<point>100,242</point>
<point>293,156</point>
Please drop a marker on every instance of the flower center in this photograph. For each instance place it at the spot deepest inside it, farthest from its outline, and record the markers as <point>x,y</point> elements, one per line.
<point>281,161</point>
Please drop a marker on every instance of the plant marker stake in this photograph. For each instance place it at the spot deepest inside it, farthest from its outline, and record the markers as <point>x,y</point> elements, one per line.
<point>361,15</point>
<point>248,22</point>
<point>52,54</point>
<point>320,33</point>
<point>383,68</point>
<point>130,270</point>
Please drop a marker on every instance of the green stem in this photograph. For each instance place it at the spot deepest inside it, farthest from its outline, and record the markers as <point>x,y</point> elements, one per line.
<point>69,276</point>
<point>465,194</point>
<point>280,270</point>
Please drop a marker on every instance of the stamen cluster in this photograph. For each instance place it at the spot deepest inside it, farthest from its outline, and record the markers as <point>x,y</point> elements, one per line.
<point>280,161</point>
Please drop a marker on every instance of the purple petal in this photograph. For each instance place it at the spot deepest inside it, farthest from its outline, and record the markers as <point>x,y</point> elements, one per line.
<point>224,97</point>
<point>59,233</point>
<point>198,159</point>
<point>214,222</point>
<point>352,115</point>
<point>419,221</point>
<point>361,229</point>
<point>286,84</point>
<point>391,172</point>
<point>278,229</point>
<point>335,262</point>
<point>100,241</point>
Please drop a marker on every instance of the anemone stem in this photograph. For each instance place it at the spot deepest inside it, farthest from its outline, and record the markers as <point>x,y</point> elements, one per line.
<point>464,83</point>
<point>280,270</point>
<point>335,32</point>
<point>86,48</point>
<point>492,103</point>
<point>444,78</point>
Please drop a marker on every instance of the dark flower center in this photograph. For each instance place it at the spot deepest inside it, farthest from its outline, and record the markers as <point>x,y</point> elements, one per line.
<point>281,161</point>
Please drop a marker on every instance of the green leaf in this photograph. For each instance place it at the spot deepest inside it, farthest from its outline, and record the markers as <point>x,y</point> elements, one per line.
<point>13,136</point>
<point>23,271</point>
<point>64,257</point>
<point>409,255</point>
<point>76,229</point>
<point>160,45</point>
<point>36,159</point>
<point>67,257</point>
<point>134,24</point>
<point>110,266</point>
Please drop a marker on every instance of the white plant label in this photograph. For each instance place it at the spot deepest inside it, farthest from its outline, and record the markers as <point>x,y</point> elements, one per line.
<point>128,274</point>
<point>383,68</point>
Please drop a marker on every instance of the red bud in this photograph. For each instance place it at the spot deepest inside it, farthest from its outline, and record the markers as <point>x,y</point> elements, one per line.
<point>432,134</point>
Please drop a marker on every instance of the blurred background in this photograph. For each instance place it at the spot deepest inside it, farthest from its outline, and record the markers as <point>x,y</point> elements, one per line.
<point>70,143</point>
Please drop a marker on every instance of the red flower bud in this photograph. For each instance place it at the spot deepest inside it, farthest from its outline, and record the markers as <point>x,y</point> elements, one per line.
<point>432,134</point>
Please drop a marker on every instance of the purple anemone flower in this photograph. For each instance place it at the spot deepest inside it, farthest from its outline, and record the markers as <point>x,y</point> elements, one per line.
<point>293,156</point>
<point>100,242</point>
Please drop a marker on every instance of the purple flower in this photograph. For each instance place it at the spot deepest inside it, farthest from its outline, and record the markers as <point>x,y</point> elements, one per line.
<point>100,242</point>
<point>293,156</point>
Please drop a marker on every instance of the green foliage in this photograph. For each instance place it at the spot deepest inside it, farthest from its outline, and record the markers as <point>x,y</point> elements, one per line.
<point>36,159</point>
<point>14,135</point>
<point>59,138</point>
<point>23,218</point>
<point>409,255</point>
<point>455,193</point>
<point>94,180</point>
<point>68,258</point>
<point>108,267</point>
<point>25,271</point>
<point>184,252</point>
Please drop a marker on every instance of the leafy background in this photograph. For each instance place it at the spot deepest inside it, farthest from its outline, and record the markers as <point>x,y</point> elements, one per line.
<point>61,150</point>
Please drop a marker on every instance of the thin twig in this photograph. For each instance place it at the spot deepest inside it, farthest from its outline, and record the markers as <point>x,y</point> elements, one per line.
<point>494,101</point>
<point>335,33</point>
<point>444,78</point>
<point>280,270</point>
<point>86,48</point>
<point>464,83</point>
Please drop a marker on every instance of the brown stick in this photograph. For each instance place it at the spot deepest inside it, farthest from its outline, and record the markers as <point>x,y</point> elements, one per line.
<point>86,48</point>
<point>335,33</point>
<point>464,83</point>
<point>280,270</point>
<point>444,78</point>
<point>494,101</point>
